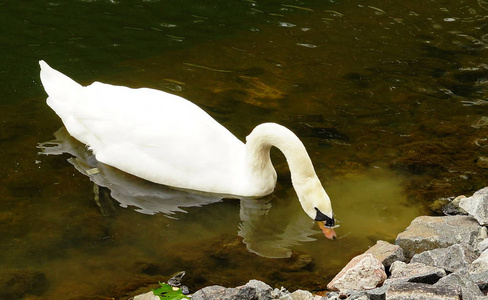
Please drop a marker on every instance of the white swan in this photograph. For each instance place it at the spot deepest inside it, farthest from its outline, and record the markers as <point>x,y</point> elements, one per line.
<point>168,140</point>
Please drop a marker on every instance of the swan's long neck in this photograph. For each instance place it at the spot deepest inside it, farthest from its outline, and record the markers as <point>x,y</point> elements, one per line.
<point>259,168</point>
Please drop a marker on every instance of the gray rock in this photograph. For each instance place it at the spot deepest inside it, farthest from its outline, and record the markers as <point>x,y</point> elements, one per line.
<point>253,290</point>
<point>299,295</point>
<point>427,233</point>
<point>349,295</point>
<point>332,296</point>
<point>216,292</point>
<point>377,293</point>
<point>479,270</point>
<point>451,259</point>
<point>414,272</point>
<point>362,272</point>
<point>358,295</point>
<point>453,208</point>
<point>483,236</point>
<point>482,246</point>
<point>386,253</point>
<point>421,291</point>
<point>147,296</point>
<point>278,293</point>
<point>263,291</point>
<point>244,293</point>
<point>462,280</point>
<point>477,206</point>
<point>209,292</point>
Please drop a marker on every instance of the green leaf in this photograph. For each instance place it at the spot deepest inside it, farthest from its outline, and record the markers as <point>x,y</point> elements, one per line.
<point>167,292</point>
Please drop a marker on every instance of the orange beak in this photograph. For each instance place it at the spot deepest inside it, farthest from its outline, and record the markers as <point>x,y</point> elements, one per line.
<point>328,232</point>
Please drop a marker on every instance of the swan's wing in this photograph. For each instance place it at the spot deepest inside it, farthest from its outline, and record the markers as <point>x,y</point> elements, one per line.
<point>155,135</point>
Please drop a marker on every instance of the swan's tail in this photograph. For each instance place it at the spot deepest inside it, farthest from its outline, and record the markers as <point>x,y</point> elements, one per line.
<point>56,84</point>
<point>61,89</point>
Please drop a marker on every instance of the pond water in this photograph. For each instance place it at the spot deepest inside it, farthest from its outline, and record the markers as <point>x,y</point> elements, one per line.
<point>389,98</point>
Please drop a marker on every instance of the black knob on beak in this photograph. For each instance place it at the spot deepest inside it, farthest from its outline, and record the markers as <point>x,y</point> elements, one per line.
<point>329,222</point>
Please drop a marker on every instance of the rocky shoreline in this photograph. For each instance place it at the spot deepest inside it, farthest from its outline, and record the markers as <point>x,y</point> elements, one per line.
<point>436,257</point>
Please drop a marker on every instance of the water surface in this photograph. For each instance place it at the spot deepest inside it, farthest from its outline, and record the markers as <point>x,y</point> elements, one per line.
<point>388,98</point>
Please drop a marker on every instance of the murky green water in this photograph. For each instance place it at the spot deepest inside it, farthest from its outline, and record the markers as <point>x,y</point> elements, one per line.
<point>389,98</point>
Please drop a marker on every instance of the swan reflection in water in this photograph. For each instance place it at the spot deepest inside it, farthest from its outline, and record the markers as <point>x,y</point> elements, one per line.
<point>260,232</point>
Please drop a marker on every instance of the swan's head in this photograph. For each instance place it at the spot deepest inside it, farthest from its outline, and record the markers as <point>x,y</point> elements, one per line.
<point>316,203</point>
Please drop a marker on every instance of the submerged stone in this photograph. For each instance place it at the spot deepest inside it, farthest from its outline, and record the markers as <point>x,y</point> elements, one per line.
<point>482,162</point>
<point>17,283</point>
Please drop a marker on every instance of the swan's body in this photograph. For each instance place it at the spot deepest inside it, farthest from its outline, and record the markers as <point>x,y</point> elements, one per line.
<point>166,139</point>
